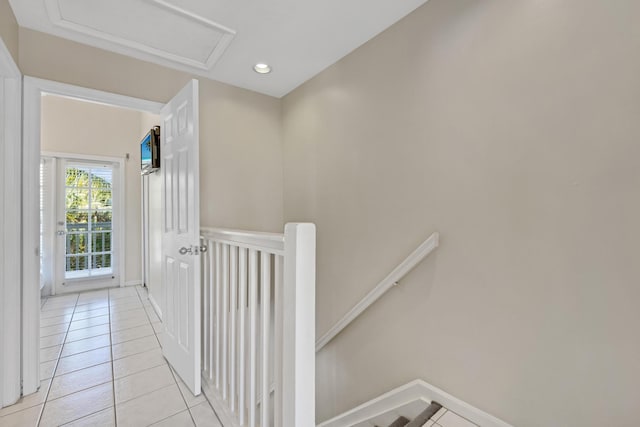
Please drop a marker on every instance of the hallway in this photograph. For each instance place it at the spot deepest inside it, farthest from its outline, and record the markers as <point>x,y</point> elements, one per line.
<point>102,365</point>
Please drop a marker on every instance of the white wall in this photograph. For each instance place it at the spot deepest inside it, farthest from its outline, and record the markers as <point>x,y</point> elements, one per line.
<point>512,128</point>
<point>70,126</point>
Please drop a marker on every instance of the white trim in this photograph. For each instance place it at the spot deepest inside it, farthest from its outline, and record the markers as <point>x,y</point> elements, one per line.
<point>133,282</point>
<point>8,67</point>
<point>121,224</point>
<point>10,227</point>
<point>381,288</point>
<point>45,87</point>
<point>34,88</point>
<point>416,390</point>
<point>298,301</point>
<point>261,241</point>
<point>75,156</point>
<point>30,239</point>
<point>155,306</point>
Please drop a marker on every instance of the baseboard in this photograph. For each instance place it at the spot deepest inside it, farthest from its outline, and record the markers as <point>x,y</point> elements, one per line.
<point>133,282</point>
<point>155,306</point>
<point>214,399</point>
<point>417,390</point>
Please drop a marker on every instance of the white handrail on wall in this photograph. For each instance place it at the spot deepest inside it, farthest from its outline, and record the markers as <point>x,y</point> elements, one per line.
<point>387,283</point>
<point>258,332</point>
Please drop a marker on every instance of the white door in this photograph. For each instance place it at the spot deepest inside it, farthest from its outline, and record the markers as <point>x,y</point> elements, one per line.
<point>181,234</point>
<point>87,225</point>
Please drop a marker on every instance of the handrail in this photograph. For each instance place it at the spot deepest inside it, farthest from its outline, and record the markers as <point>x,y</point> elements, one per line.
<point>387,283</point>
<point>270,242</point>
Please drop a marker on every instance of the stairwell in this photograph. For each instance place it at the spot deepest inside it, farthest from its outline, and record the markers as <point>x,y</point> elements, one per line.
<point>420,420</point>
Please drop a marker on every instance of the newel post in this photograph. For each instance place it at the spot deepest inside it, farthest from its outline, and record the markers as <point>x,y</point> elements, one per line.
<point>298,326</point>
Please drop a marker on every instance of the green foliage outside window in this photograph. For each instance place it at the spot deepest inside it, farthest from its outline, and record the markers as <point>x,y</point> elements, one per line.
<point>88,201</point>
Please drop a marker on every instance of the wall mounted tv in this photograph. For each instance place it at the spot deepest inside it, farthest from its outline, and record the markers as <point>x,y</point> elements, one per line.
<point>150,151</point>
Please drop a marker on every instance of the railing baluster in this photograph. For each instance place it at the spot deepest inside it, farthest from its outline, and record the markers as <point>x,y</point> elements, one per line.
<point>253,317</point>
<point>210,319</point>
<point>205,313</point>
<point>225,319</point>
<point>258,323</point>
<point>277,350</point>
<point>218,310</point>
<point>233,260</point>
<point>265,294</point>
<point>243,336</point>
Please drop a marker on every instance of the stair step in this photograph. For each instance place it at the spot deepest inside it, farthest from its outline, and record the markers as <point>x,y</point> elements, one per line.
<point>400,422</point>
<point>425,415</point>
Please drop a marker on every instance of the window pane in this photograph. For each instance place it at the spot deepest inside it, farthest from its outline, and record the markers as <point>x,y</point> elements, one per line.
<point>76,244</point>
<point>102,220</point>
<point>77,198</point>
<point>76,177</point>
<point>77,217</point>
<point>100,198</point>
<point>101,242</point>
<point>76,263</point>
<point>101,261</point>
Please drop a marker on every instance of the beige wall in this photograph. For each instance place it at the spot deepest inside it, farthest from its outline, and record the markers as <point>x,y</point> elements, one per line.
<point>240,131</point>
<point>512,127</point>
<point>70,126</point>
<point>9,29</point>
<point>154,222</point>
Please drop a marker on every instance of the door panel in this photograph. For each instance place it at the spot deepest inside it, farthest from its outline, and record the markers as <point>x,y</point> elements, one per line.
<point>181,236</point>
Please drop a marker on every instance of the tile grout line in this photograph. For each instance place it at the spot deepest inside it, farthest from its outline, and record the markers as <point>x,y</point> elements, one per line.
<point>173,374</point>
<point>53,374</point>
<point>113,381</point>
<point>64,342</point>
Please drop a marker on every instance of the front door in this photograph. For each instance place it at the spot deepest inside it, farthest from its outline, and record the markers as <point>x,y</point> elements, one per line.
<point>181,234</point>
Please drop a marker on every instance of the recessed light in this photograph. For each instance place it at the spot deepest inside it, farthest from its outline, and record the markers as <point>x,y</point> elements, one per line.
<point>261,68</point>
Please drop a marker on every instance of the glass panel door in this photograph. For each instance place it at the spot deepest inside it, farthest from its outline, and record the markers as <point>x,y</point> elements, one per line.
<point>88,220</point>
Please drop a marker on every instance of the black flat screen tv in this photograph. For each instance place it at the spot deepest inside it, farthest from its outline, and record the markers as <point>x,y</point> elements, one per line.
<point>150,151</point>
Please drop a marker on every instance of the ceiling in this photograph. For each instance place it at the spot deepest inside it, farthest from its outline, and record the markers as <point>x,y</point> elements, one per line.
<point>222,39</point>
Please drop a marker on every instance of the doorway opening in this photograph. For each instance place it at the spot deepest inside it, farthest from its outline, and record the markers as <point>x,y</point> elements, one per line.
<point>90,195</point>
<point>81,213</point>
<point>92,138</point>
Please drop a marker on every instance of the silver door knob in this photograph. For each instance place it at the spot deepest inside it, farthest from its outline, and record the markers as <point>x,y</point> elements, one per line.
<point>184,251</point>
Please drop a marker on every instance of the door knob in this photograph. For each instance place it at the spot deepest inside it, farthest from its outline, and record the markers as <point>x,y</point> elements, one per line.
<point>184,251</point>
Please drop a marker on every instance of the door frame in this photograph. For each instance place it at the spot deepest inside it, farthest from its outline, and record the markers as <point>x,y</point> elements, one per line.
<point>10,226</point>
<point>119,180</point>
<point>34,88</point>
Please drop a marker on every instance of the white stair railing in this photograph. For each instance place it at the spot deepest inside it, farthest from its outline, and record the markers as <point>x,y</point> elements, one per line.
<point>258,305</point>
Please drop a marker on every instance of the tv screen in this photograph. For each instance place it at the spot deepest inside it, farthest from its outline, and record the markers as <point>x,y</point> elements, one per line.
<point>145,152</point>
<point>150,151</point>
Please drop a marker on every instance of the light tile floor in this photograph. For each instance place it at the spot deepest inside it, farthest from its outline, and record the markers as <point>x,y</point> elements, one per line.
<point>102,365</point>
